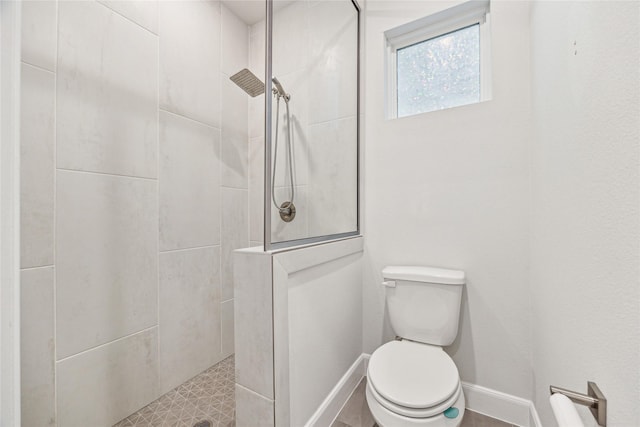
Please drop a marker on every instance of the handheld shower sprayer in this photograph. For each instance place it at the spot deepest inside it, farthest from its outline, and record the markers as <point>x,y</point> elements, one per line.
<point>279,90</point>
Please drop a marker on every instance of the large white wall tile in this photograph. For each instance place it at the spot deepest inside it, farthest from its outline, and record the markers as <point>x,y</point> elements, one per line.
<point>37,166</point>
<point>333,71</point>
<point>252,409</point>
<point>107,92</point>
<point>296,84</point>
<point>190,59</point>
<point>37,342</point>
<point>332,202</point>
<point>290,48</point>
<point>235,43</point>
<point>257,49</point>
<point>189,183</point>
<point>253,321</point>
<point>256,189</point>
<point>256,109</point>
<point>39,33</point>
<point>235,233</point>
<point>101,386</point>
<point>106,258</point>
<point>235,139</point>
<point>142,12</point>
<point>256,116</point>
<point>227,327</point>
<point>189,314</point>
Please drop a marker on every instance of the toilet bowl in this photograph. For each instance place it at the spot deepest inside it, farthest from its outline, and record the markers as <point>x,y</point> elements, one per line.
<point>412,382</point>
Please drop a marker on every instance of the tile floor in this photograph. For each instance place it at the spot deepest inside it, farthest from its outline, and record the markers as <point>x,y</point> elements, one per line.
<point>209,397</point>
<point>355,413</point>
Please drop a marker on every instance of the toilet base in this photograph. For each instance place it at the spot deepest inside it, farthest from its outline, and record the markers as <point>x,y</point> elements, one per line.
<point>386,418</point>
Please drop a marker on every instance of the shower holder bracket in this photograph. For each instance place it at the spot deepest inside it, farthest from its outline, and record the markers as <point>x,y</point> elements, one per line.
<point>277,94</point>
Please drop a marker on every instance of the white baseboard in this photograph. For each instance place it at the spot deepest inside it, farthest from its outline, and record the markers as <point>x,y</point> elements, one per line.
<point>534,419</point>
<point>332,405</point>
<point>495,404</point>
<point>502,406</point>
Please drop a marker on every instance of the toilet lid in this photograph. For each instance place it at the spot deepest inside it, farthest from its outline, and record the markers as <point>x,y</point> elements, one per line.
<point>412,374</point>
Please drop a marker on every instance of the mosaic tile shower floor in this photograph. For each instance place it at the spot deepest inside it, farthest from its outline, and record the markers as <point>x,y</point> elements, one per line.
<point>209,396</point>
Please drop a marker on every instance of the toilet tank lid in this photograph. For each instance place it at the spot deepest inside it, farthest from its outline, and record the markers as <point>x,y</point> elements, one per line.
<point>424,274</point>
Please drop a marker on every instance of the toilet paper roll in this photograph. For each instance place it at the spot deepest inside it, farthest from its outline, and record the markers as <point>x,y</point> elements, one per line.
<point>565,411</point>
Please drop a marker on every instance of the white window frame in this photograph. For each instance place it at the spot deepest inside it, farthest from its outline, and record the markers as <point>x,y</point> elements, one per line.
<point>432,26</point>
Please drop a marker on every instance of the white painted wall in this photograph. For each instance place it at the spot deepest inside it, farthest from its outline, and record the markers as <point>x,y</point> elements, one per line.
<point>323,305</point>
<point>450,189</point>
<point>585,233</point>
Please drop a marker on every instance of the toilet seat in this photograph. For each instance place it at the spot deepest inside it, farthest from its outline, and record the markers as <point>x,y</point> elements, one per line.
<point>413,379</point>
<point>411,412</point>
<point>387,418</point>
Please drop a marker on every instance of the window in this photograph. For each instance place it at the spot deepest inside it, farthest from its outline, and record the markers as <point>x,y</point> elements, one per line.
<point>437,62</point>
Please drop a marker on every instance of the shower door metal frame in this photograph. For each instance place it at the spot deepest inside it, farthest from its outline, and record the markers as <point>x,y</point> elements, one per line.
<point>10,42</point>
<point>268,128</point>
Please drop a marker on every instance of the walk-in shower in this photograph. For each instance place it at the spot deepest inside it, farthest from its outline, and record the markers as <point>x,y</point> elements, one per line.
<point>134,203</point>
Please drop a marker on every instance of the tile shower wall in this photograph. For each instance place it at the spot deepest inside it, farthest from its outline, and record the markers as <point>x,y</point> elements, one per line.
<point>312,43</point>
<point>134,194</point>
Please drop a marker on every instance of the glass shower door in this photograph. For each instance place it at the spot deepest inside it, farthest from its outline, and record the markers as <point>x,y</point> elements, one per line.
<point>311,175</point>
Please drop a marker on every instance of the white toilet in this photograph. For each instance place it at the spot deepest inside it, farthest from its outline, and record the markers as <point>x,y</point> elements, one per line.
<point>412,381</point>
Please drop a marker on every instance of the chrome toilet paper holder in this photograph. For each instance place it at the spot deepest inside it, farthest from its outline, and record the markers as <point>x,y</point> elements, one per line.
<point>594,400</point>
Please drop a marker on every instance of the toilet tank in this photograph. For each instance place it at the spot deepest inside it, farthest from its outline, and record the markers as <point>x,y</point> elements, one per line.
<point>424,302</point>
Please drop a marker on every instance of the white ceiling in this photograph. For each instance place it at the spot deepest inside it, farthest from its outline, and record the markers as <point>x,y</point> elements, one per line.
<point>252,11</point>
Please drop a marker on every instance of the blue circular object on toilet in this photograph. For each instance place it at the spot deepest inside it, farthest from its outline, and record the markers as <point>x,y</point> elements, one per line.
<point>451,412</point>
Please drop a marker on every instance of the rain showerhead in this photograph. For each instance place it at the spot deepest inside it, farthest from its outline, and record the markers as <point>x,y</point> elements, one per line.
<point>251,84</point>
<point>248,82</point>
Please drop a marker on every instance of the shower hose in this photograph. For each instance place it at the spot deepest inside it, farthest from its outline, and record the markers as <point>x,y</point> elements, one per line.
<point>289,158</point>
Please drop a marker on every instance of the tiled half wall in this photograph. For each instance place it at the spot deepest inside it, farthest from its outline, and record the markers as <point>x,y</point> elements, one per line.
<point>299,313</point>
